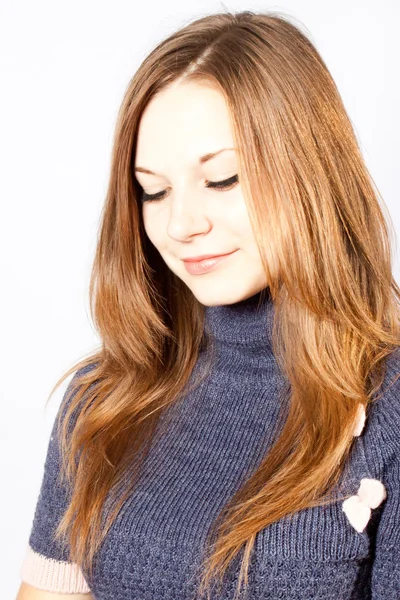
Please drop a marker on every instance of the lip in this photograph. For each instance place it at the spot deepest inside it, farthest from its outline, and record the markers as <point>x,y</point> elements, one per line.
<point>204,257</point>
<point>201,267</point>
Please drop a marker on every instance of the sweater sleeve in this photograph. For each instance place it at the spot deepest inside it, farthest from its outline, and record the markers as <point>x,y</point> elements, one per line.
<point>45,564</point>
<point>385,583</point>
<point>386,566</point>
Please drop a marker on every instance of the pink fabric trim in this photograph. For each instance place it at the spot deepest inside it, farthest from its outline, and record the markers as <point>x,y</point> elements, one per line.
<point>52,575</point>
<point>360,420</point>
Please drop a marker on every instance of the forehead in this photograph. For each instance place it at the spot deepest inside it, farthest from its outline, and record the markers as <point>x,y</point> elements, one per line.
<point>184,122</point>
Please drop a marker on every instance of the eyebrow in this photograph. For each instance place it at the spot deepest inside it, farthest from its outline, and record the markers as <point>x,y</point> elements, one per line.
<point>202,160</point>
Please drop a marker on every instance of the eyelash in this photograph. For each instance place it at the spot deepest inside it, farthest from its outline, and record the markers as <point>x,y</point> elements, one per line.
<point>218,185</point>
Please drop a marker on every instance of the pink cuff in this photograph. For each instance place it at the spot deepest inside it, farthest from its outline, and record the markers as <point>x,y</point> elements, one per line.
<point>52,575</point>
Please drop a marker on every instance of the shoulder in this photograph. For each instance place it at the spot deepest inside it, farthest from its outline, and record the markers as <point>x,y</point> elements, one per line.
<point>385,407</point>
<point>69,395</point>
<point>82,371</point>
<point>74,382</point>
<point>381,436</point>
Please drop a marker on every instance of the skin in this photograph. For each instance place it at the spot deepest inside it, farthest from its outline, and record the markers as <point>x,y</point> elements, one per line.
<point>180,124</point>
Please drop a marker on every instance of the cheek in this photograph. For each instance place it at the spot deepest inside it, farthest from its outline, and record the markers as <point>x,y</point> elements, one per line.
<point>152,226</point>
<point>236,219</point>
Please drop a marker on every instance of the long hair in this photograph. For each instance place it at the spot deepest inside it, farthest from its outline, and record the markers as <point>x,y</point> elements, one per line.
<point>325,246</point>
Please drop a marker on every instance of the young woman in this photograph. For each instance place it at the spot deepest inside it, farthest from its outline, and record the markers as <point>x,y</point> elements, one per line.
<point>237,434</point>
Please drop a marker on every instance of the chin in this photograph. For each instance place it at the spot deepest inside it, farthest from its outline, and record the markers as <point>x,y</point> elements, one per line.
<point>215,296</point>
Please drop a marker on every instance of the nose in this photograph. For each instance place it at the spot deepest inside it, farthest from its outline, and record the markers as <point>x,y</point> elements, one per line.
<point>187,215</point>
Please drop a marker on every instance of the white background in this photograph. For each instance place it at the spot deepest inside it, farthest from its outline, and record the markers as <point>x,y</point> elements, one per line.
<point>64,67</point>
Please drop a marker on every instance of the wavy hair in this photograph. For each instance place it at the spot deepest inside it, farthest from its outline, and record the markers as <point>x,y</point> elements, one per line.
<point>326,250</point>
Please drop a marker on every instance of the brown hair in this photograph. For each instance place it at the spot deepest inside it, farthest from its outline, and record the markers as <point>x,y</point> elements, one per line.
<point>326,251</point>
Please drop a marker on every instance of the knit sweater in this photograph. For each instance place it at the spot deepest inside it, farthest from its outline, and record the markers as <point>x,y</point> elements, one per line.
<point>215,437</point>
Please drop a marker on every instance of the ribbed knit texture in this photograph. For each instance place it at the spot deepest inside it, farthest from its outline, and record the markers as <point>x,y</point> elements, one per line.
<point>207,444</point>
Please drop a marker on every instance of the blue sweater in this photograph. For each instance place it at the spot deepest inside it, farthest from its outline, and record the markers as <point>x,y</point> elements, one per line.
<point>214,437</point>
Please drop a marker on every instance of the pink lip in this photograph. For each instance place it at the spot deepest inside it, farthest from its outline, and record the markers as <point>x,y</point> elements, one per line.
<point>203,257</point>
<point>200,267</point>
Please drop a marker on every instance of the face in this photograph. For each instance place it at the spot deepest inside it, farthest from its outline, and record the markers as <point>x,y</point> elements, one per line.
<point>190,216</point>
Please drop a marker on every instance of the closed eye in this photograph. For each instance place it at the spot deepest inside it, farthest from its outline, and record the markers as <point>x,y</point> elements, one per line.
<point>217,185</point>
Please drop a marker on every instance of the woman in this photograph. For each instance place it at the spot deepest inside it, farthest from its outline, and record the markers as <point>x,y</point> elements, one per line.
<point>257,392</point>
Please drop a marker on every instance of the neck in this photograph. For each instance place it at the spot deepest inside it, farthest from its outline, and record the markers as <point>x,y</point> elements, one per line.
<point>244,327</point>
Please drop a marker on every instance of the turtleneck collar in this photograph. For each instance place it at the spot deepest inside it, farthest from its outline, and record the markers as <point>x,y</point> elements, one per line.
<point>246,325</point>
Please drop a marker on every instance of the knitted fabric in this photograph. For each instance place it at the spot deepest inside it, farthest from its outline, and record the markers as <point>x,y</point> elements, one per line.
<point>207,444</point>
